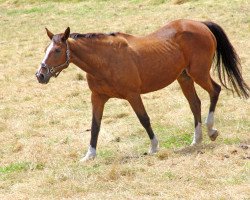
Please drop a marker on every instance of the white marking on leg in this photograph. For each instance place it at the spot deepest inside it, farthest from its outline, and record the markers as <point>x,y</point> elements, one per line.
<point>212,133</point>
<point>210,120</point>
<point>154,146</point>
<point>91,154</point>
<point>197,134</point>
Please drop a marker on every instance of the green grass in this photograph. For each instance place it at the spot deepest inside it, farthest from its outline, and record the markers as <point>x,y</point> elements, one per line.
<point>29,11</point>
<point>174,141</point>
<point>169,175</point>
<point>20,167</point>
<point>172,137</point>
<point>106,153</point>
<point>90,170</point>
<point>231,141</point>
<point>15,167</point>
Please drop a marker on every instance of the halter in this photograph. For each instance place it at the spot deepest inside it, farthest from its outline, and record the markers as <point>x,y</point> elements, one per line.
<point>53,70</point>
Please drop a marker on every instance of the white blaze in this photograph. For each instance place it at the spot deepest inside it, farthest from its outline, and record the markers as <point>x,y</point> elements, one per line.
<point>47,52</point>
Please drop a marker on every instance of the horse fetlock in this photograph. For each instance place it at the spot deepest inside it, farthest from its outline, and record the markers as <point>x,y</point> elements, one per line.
<point>154,146</point>
<point>209,125</point>
<point>213,134</point>
<point>196,140</point>
<point>197,135</point>
<point>90,155</point>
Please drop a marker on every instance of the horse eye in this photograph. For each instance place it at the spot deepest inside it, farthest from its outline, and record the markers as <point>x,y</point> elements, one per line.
<point>57,50</point>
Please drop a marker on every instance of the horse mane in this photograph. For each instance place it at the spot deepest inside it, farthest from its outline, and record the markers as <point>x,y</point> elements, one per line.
<point>92,35</point>
<point>115,39</point>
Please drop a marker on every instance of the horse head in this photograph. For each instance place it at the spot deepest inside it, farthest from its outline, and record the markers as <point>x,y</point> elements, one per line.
<point>57,57</point>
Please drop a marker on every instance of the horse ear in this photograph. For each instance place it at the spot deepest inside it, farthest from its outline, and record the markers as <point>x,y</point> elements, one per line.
<point>66,34</point>
<point>50,35</point>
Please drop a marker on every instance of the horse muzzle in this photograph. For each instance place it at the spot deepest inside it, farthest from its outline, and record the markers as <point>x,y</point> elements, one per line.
<point>42,78</point>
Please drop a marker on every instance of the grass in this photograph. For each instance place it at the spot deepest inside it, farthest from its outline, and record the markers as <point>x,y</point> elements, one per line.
<point>14,167</point>
<point>44,129</point>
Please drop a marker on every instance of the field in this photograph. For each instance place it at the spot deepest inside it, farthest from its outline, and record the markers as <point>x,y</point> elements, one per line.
<point>44,129</point>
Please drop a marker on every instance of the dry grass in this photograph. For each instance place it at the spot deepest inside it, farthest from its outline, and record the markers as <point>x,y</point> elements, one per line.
<point>44,128</point>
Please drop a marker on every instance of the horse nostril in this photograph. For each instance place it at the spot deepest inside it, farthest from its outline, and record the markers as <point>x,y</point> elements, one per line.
<point>41,77</point>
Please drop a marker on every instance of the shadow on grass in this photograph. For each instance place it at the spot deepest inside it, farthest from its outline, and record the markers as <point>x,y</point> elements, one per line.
<point>196,149</point>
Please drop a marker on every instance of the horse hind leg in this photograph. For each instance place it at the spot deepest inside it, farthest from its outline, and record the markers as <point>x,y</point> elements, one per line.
<point>213,89</point>
<point>214,95</point>
<point>188,89</point>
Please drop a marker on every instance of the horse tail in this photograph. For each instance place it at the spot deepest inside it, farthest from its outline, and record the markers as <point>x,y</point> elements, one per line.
<point>228,62</point>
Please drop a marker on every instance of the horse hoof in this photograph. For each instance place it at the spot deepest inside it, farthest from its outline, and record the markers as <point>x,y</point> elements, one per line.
<point>213,134</point>
<point>153,151</point>
<point>90,155</point>
<point>193,144</point>
<point>196,141</point>
<point>87,158</point>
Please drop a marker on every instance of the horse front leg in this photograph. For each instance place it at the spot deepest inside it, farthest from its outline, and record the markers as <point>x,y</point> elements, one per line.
<point>98,102</point>
<point>137,105</point>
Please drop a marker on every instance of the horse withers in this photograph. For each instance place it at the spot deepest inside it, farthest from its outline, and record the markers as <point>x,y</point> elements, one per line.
<point>120,65</point>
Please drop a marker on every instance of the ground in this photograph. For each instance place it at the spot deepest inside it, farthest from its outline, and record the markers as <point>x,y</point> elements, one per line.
<point>44,129</point>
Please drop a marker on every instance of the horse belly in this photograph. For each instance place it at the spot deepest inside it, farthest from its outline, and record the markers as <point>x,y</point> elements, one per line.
<point>156,83</point>
<point>158,76</point>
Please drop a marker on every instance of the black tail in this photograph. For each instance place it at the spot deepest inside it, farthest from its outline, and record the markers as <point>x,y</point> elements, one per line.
<point>228,61</point>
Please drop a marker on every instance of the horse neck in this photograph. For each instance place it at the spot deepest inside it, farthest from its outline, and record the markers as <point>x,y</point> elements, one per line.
<point>88,54</point>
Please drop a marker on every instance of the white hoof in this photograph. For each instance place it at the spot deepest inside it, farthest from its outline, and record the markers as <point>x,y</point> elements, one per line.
<point>154,146</point>
<point>90,155</point>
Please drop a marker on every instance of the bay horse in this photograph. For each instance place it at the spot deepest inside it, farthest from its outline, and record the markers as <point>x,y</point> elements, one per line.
<point>120,65</point>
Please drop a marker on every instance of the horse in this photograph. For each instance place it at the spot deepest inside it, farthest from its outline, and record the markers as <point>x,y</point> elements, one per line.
<point>120,65</point>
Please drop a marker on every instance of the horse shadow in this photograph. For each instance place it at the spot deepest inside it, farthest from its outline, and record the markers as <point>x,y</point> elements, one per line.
<point>200,149</point>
